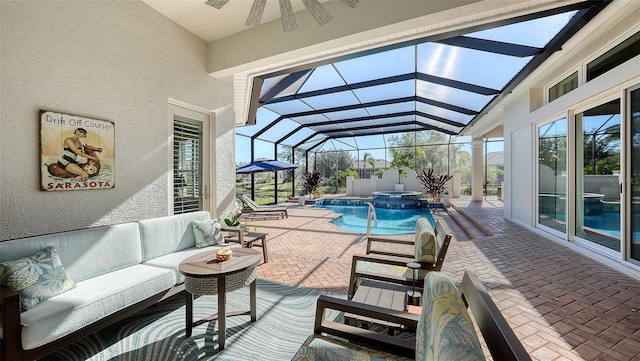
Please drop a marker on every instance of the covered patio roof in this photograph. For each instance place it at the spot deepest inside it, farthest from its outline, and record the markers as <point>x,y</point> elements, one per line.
<point>443,82</point>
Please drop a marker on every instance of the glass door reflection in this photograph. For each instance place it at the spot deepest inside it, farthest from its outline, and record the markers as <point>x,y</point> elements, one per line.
<point>597,207</point>
<point>552,174</point>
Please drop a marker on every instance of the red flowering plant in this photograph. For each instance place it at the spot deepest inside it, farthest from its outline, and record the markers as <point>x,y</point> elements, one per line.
<point>432,183</point>
<point>311,182</point>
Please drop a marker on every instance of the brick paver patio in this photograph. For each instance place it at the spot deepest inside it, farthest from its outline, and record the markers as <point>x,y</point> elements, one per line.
<point>562,305</point>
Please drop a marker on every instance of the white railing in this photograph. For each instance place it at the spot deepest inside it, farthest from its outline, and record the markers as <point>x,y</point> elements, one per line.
<point>371,212</point>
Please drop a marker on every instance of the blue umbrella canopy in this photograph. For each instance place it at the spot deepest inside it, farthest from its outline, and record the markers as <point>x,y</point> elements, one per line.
<point>265,166</point>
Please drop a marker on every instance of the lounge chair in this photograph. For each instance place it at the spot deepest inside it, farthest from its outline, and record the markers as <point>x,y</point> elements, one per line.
<point>256,208</point>
<point>443,328</point>
<point>391,266</point>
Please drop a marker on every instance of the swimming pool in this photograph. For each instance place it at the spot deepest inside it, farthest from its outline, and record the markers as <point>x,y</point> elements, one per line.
<point>390,221</point>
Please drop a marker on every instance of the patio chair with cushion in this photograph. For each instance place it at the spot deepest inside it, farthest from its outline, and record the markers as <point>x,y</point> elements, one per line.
<point>444,329</point>
<point>256,208</point>
<point>389,265</point>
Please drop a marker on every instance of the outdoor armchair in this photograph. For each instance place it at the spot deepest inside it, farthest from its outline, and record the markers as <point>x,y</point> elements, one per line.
<point>430,247</point>
<point>444,329</point>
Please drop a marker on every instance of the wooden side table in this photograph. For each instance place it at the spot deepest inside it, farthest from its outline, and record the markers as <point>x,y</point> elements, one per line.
<point>250,239</point>
<point>204,276</point>
<point>387,295</point>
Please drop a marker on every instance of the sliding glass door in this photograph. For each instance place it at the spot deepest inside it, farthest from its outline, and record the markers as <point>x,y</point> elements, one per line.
<point>597,201</point>
<point>634,140</point>
<point>582,159</point>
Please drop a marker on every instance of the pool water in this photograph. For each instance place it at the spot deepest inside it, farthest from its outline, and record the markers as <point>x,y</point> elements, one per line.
<point>390,221</point>
<point>608,223</point>
<point>605,222</point>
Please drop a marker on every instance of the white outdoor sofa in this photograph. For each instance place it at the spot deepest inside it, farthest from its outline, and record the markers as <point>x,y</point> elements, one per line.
<point>118,270</point>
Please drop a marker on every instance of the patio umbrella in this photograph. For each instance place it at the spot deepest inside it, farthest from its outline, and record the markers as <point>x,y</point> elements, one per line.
<point>265,166</point>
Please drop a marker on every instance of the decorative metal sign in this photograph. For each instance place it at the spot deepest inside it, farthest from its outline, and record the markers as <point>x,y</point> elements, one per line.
<point>76,153</point>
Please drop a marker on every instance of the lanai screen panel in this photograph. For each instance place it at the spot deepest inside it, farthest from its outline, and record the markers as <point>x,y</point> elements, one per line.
<point>443,82</point>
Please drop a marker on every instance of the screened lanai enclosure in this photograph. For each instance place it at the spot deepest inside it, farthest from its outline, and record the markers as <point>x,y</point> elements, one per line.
<point>410,104</point>
<point>336,162</point>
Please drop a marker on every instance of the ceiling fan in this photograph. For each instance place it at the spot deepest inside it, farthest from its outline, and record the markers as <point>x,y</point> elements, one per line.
<point>316,9</point>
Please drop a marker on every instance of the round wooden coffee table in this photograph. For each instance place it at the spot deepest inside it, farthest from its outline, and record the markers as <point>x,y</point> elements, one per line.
<point>206,276</point>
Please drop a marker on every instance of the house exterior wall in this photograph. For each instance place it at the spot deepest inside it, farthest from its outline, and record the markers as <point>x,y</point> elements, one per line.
<point>520,139</point>
<point>110,60</point>
<point>526,108</point>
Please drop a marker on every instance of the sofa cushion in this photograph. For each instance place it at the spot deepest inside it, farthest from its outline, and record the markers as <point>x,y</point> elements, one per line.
<point>116,246</point>
<point>323,348</point>
<point>426,247</point>
<point>445,331</point>
<point>172,261</point>
<point>90,301</point>
<point>36,278</point>
<point>207,232</point>
<point>165,235</point>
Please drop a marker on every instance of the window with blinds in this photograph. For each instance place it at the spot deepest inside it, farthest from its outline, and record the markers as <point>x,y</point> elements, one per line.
<point>187,165</point>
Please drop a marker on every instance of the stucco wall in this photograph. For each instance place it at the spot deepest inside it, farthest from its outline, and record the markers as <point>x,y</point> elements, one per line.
<point>521,178</point>
<point>111,60</point>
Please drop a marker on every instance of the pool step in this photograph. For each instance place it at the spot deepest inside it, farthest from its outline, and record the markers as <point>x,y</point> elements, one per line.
<point>485,231</point>
<point>461,222</point>
<point>471,227</point>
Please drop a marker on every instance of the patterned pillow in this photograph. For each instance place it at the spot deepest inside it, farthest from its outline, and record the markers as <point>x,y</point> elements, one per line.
<point>36,278</point>
<point>207,233</point>
<point>426,246</point>
<point>445,331</point>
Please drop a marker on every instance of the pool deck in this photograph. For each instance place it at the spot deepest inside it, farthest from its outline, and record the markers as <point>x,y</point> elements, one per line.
<point>561,304</point>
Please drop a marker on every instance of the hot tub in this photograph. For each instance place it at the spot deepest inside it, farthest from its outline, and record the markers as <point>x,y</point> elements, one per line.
<point>398,200</point>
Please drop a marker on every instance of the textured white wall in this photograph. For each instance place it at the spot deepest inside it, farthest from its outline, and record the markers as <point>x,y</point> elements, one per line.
<point>390,178</point>
<point>521,178</point>
<point>118,61</point>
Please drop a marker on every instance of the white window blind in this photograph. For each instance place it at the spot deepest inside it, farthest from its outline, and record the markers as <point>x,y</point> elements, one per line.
<point>187,165</point>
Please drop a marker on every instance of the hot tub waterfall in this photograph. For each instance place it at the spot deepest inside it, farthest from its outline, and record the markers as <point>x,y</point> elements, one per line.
<point>397,199</point>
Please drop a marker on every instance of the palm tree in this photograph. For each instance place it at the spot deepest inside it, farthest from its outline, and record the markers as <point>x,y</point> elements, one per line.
<point>458,157</point>
<point>368,158</point>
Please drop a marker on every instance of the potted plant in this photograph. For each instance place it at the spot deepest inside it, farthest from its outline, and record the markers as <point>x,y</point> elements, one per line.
<point>433,184</point>
<point>232,216</point>
<point>310,184</point>
<point>399,163</point>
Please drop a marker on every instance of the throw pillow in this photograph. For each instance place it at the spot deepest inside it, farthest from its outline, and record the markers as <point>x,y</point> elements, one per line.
<point>36,278</point>
<point>445,330</point>
<point>207,233</point>
<point>426,245</point>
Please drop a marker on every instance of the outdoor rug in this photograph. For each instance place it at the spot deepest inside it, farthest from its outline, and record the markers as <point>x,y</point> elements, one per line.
<point>285,316</point>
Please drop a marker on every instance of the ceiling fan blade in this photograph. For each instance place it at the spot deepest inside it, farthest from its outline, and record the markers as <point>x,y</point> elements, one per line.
<point>255,14</point>
<point>287,16</point>
<point>350,3</point>
<point>318,11</point>
<point>218,4</point>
